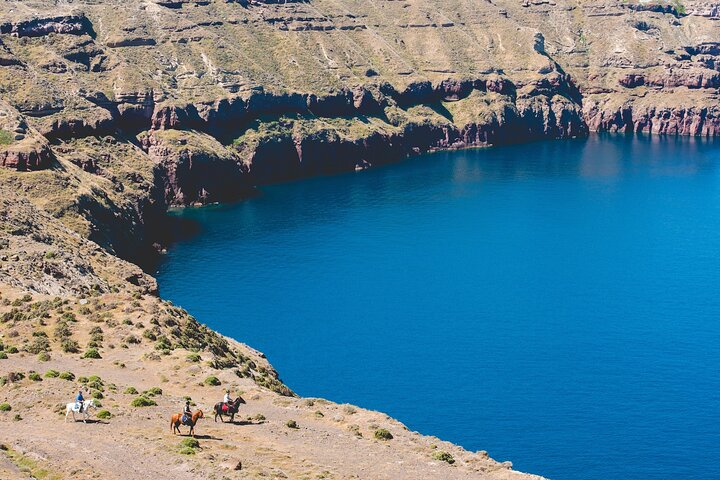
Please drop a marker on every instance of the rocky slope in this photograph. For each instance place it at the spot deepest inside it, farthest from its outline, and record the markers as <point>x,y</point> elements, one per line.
<point>112,111</point>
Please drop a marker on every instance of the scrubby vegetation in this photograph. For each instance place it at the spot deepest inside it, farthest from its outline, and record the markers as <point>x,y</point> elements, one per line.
<point>382,434</point>
<point>6,137</point>
<point>142,401</point>
<point>91,353</point>
<point>443,457</point>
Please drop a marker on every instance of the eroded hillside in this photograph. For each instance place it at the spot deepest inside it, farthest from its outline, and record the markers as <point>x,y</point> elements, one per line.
<point>112,111</point>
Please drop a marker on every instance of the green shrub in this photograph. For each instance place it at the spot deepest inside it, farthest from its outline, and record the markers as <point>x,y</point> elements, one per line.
<point>98,395</point>
<point>104,414</point>
<point>5,407</point>
<point>44,356</point>
<point>35,377</point>
<point>130,391</point>
<point>69,376</point>
<point>193,358</point>
<point>40,344</point>
<point>154,391</point>
<point>186,451</point>
<point>443,457</point>
<point>91,353</point>
<point>83,380</point>
<point>3,355</point>
<point>69,346</point>
<point>17,417</point>
<point>163,343</point>
<point>52,374</point>
<point>143,402</point>
<point>291,424</point>
<point>212,381</point>
<point>190,443</point>
<point>12,350</point>
<point>383,434</point>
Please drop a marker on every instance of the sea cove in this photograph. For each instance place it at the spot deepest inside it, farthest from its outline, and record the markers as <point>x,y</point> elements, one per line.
<point>555,303</point>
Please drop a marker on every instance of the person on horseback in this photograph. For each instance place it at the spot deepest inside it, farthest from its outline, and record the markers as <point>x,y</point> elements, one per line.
<point>227,401</point>
<point>79,401</point>
<point>187,413</point>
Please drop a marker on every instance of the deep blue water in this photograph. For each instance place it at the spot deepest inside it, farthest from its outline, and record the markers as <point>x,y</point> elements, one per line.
<point>555,303</point>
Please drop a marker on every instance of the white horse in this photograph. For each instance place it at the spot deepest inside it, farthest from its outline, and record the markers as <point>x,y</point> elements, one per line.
<point>73,408</point>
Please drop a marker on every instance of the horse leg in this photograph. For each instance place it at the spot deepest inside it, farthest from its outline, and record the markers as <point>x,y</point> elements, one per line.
<point>67,412</point>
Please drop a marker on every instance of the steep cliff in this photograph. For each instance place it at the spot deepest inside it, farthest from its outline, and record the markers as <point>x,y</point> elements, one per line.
<point>113,110</point>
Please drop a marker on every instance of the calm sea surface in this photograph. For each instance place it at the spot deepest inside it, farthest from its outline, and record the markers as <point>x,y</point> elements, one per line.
<point>556,303</point>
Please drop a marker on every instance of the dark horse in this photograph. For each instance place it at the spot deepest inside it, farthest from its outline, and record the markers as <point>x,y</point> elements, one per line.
<point>232,409</point>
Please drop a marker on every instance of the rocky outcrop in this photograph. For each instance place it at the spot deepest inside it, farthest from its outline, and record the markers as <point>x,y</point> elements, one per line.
<point>652,117</point>
<point>28,154</point>
<point>194,168</point>
<point>74,24</point>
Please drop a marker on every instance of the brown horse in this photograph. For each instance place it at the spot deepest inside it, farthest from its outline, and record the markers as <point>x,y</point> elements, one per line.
<point>175,422</point>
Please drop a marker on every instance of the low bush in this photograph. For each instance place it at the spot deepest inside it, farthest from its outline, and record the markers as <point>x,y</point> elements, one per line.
<point>130,391</point>
<point>104,414</point>
<point>40,344</point>
<point>193,358</point>
<point>91,353</point>
<point>52,374</point>
<point>154,391</point>
<point>383,434</point>
<point>44,357</point>
<point>69,376</point>
<point>212,381</point>
<point>35,377</point>
<point>291,424</point>
<point>143,402</point>
<point>443,457</point>
<point>190,442</point>
<point>5,407</point>
<point>69,346</point>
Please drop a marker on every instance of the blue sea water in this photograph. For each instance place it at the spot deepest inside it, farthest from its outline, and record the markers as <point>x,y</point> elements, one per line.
<point>556,303</point>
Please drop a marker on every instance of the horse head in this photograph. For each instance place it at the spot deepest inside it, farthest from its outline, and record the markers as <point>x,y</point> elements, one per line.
<point>198,415</point>
<point>237,402</point>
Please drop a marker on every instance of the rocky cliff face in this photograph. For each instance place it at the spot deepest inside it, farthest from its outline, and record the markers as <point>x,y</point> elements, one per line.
<point>157,103</point>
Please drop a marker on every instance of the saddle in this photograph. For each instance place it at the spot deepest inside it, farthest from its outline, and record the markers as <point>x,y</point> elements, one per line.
<point>186,419</point>
<point>225,407</point>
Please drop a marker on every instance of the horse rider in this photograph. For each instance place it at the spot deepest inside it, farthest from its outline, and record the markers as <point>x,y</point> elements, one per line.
<point>79,401</point>
<point>226,399</point>
<point>187,413</point>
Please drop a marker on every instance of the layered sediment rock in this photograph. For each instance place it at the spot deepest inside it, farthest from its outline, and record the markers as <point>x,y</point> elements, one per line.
<point>181,102</point>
